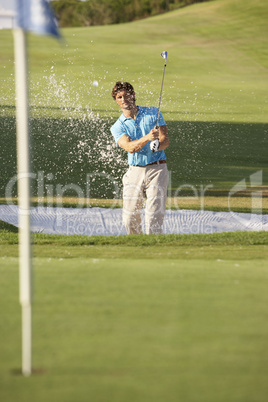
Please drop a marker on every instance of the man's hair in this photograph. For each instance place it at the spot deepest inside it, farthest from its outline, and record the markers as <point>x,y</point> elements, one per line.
<point>122,86</point>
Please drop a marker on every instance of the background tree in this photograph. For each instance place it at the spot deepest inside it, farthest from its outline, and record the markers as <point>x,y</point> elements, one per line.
<point>75,13</point>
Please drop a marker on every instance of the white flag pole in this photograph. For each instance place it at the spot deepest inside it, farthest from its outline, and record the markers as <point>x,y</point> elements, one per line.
<point>23,161</point>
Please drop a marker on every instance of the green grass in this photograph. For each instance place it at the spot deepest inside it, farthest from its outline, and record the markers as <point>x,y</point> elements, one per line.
<point>228,245</point>
<point>138,330</point>
<point>217,68</point>
<point>6,228</point>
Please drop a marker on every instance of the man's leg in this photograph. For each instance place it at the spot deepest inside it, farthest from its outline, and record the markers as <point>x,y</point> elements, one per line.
<point>156,192</point>
<point>133,199</point>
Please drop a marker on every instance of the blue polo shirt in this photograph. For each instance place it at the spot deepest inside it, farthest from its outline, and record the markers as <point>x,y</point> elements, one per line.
<point>136,129</point>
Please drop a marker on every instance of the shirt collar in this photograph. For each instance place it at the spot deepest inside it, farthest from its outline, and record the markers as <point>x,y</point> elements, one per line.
<point>123,118</point>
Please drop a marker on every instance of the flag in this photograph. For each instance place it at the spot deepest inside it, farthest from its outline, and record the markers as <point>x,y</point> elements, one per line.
<point>36,16</point>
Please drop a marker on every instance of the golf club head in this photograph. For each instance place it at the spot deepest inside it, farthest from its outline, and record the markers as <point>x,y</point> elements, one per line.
<point>164,55</point>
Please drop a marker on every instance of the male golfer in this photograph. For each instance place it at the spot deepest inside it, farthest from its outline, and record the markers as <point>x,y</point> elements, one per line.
<point>147,174</point>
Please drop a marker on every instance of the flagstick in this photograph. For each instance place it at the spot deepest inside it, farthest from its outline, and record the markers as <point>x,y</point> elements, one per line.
<point>23,161</point>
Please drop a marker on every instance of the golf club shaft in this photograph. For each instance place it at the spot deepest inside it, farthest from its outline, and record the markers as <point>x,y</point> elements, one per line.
<point>158,113</point>
<point>155,143</point>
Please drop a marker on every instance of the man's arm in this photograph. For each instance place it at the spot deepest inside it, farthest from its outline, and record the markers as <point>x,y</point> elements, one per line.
<point>163,138</point>
<point>136,145</point>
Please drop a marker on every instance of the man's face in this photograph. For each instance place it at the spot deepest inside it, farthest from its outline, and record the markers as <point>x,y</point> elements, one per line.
<point>125,99</point>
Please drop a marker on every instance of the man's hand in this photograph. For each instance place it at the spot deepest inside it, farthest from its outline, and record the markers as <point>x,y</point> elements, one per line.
<point>136,145</point>
<point>153,134</point>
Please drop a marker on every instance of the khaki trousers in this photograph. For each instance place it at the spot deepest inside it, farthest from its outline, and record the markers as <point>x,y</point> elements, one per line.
<point>138,182</point>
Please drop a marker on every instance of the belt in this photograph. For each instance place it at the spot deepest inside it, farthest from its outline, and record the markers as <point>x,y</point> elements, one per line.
<point>153,163</point>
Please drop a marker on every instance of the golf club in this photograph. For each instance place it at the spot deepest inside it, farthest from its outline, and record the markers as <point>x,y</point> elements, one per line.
<point>155,144</point>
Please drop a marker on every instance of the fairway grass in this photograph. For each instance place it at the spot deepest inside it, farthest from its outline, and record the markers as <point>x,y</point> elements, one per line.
<point>217,66</point>
<point>138,330</point>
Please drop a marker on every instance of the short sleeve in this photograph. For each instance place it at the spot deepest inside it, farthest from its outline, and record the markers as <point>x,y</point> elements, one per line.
<point>118,130</point>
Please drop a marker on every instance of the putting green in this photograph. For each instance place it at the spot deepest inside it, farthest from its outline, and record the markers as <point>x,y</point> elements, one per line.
<point>138,330</point>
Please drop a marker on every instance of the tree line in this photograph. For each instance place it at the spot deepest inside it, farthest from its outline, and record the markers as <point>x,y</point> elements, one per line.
<point>75,13</point>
